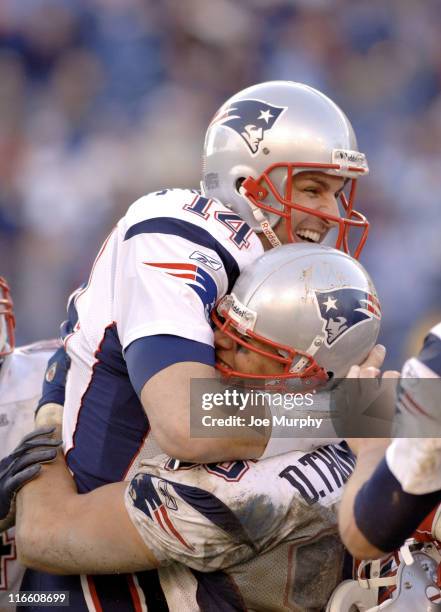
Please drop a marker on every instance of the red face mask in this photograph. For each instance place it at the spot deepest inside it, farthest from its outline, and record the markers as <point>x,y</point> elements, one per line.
<point>257,190</point>
<point>309,371</point>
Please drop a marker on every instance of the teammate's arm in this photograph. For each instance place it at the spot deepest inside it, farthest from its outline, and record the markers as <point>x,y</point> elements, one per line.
<point>124,527</point>
<point>392,490</point>
<point>168,393</point>
<point>376,513</point>
<point>369,454</point>
<point>49,410</point>
<point>62,532</point>
<point>21,466</point>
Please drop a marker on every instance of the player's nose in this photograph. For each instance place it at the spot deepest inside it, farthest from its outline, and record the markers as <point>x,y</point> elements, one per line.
<point>329,206</point>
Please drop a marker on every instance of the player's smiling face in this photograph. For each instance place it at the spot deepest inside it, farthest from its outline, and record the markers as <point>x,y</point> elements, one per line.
<point>319,192</point>
<point>237,357</point>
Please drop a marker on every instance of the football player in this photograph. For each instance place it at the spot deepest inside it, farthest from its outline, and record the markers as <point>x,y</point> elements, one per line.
<point>140,328</point>
<point>394,485</point>
<point>141,324</point>
<point>21,374</point>
<point>403,478</point>
<point>246,534</point>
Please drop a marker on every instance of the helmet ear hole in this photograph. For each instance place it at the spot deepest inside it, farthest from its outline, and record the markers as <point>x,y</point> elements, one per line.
<point>239,182</point>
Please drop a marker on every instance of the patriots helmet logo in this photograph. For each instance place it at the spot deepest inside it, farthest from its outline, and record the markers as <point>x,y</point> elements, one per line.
<point>342,309</point>
<point>250,119</point>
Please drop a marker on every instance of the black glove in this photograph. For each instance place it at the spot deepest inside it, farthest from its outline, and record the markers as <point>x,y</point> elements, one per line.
<point>21,466</point>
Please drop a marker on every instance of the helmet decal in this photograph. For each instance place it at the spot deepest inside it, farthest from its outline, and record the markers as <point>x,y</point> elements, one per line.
<point>250,119</point>
<point>342,309</point>
<point>194,277</point>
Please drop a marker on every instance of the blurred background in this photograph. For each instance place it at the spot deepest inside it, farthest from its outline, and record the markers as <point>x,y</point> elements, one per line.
<point>102,101</point>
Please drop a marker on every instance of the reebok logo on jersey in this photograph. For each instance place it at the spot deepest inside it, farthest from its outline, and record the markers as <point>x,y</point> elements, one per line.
<point>344,308</point>
<point>205,259</point>
<point>195,277</point>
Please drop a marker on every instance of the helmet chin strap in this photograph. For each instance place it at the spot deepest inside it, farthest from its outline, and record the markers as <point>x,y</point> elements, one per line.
<point>260,218</point>
<point>297,367</point>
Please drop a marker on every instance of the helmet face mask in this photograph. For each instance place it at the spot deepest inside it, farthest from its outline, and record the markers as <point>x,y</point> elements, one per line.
<point>266,134</point>
<point>311,311</point>
<point>264,188</point>
<point>7,320</point>
<point>286,356</point>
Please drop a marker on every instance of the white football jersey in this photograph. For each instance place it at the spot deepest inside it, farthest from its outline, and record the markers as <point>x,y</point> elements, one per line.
<point>21,379</point>
<point>244,535</point>
<point>416,462</point>
<point>160,271</point>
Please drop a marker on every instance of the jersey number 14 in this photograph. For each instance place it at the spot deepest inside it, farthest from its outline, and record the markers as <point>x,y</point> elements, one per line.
<point>240,231</point>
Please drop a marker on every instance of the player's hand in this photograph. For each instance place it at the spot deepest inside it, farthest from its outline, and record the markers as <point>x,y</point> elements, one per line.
<point>370,368</point>
<point>371,397</point>
<point>21,466</point>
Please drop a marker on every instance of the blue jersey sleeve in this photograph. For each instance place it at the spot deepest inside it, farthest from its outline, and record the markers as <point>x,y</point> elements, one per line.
<point>385,514</point>
<point>54,382</point>
<point>147,356</point>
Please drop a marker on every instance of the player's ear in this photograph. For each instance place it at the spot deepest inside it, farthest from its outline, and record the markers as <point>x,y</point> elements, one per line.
<point>222,341</point>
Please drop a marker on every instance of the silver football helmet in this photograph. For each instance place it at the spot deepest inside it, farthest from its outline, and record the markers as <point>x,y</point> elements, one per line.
<point>314,309</point>
<point>7,320</point>
<point>410,585</point>
<point>261,137</point>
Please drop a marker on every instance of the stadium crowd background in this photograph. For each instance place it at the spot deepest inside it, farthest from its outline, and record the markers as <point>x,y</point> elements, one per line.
<point>102,101</point>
